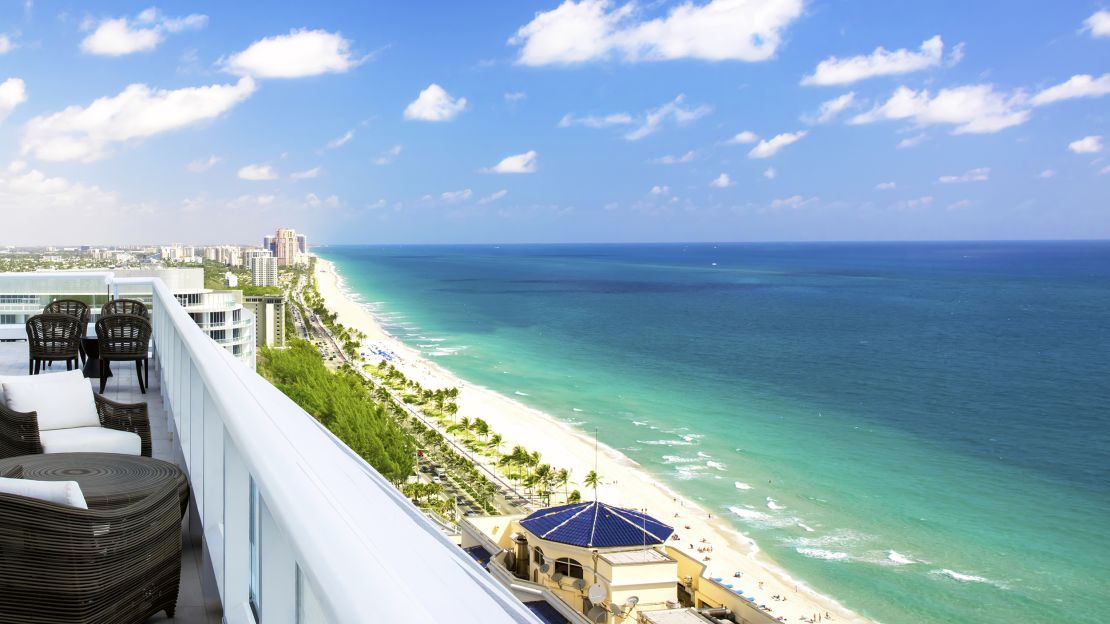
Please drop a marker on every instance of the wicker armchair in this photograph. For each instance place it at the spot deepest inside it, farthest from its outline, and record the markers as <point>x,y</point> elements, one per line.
<point>76,308</point>
<point>101,565</point>
<point>124,338</point>
<point>125,306</point>
<point>53,337</point>
<point>19,431</point>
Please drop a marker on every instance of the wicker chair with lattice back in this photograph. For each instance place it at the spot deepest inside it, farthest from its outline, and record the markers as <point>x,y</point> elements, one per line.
<point>50,338</point>
<point>125,306</point>
<point>73,307</point>
<point>124,338</point>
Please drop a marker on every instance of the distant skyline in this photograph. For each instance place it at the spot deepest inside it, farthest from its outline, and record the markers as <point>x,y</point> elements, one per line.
<point>576,121</point>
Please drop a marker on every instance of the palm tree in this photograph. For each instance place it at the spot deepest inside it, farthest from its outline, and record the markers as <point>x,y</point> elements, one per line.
<point>452,409</point>
<point>562,477</point>
<point>592,480</point>
<point>495,441</point>
<point>574,497</point>
<point>481,427</point>
<point>543,477</point>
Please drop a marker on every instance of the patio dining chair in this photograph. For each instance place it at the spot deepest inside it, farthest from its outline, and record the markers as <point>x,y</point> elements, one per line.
<point>124,338</point>
<point>52,337</point>
<point>125,306</point>
<point>73,307</point>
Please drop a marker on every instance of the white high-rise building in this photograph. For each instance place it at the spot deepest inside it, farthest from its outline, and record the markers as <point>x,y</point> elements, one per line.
<point>264,270</point>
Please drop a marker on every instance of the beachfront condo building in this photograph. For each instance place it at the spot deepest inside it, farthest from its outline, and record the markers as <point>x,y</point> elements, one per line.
<point>285,246</point>
<point>269,315</point>
<point>264,270</point>
<point>219,314</point>
<point>302,244</point>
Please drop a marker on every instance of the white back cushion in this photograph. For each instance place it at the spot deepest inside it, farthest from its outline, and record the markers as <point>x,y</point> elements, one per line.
<point>62,400</point>
<point>60,492</point>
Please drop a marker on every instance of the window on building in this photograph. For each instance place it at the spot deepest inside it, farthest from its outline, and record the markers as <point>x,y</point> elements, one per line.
<point>537,556</point>
<point>236,315</point>
<point>218,318</point>
<point>569,567</point>
<point>219,334</point>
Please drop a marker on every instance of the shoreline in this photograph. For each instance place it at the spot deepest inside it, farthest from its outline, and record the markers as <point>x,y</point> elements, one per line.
<point>564,446</point>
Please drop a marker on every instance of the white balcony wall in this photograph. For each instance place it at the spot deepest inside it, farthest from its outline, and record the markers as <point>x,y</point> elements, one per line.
<point>337,542</point>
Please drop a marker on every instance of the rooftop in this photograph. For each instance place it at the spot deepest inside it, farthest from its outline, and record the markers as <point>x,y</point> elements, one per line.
<point>596,525</point>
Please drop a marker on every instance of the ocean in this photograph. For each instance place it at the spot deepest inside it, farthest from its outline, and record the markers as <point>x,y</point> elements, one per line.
<point>919,430</point>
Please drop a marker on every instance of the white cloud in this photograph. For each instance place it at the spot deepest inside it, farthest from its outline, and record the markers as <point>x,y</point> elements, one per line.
<point>1087,145</point>
<point>257,173</point>
<point>973,109</point>
<point>25,190</point>
<point>721,181</point>
<point>492,197</point>
<point>298,54</point>
<point>312,201</point>
<point>12,93</point>
<point>770,173</point>
<point>307,174</point>
<point>1078,86</point>
<point>794,202</point>
<point>388,155</point>
<point>1098,24</point>
<point>519,163</point>
<point>960,205</point>
<point>454,197</point>
<point>1047,173</point>
<point>886,186</point>
<point>203,164</point>
<point>881,62</point>
<point>593,121</point>
<point>1105,170</point>
<point>743,138</point>
<point>6,44</point>
<point>831,108</point>
<point>435,104</point>
<point>660,190</point>
<point>979,174</point>
<point>718,30</point>
<point>89,133</point>
<point>913,204</point>
<point>121,36</point>
<point>670,159</point>
<point>655,117</point>
<point>341,141</point>
<point>912,141</point>
<point>513,97</point>
<point>768,148</point>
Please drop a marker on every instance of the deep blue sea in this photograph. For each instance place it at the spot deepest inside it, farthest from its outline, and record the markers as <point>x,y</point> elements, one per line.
<point>921,431</point>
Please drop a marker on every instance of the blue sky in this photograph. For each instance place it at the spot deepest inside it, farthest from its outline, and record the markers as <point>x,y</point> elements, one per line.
<point>554,122</point>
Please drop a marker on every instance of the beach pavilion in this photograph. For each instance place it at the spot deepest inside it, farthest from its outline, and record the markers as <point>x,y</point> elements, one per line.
<point>592,562</point>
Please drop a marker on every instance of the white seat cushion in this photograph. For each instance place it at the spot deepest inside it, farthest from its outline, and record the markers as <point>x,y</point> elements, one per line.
<point>62,400</point>
<point>90,440</point>
<point>59,492</point>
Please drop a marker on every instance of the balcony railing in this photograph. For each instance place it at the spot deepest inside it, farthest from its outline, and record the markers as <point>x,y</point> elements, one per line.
<point>333,541</point>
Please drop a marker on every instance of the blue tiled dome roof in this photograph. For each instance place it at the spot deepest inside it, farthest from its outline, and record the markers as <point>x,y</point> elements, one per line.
<point>596,525</point>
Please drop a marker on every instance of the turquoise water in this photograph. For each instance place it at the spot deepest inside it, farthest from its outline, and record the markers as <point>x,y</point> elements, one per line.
<point>921,431</point>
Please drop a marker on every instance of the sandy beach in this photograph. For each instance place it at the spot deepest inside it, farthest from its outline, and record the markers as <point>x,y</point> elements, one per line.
<point>624,482</point>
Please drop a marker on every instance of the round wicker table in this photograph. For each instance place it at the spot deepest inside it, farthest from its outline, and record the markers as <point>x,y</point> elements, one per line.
<point>107,480</point>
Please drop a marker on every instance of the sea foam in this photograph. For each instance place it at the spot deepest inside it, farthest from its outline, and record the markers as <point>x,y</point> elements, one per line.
<point>773,505</point>
<point>966,578</point>
<point>821,553</point>
<point>740,485</point>
<point>898,558</point>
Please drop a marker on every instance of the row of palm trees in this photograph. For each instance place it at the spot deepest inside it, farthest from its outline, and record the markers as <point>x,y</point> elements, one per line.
<point>519,464</point>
